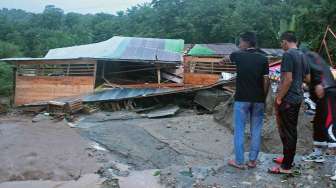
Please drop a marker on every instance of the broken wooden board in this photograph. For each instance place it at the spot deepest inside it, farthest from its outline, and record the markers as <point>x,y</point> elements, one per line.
<point>200,79</point>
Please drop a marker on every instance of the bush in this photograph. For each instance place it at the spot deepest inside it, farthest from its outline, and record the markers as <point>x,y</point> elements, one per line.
<point>6,79</point>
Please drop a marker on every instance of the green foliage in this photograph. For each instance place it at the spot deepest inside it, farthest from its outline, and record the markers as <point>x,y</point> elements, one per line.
<point>7,50</point>
<point>5,79</point>
<point>196,21</point>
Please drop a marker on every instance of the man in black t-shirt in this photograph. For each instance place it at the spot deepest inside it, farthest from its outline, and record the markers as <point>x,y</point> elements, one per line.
<point>323,93</point>
<point>251,89</point>
<point>294,71</point>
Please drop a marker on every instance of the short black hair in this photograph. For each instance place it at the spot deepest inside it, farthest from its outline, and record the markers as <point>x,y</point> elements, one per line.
<point>288,36</point>
<point>249,37</point>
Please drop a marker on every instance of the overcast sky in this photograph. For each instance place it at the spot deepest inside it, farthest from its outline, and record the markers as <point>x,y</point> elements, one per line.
<point>80,6</point>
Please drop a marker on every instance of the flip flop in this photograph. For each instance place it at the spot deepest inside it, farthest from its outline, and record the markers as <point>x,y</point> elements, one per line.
<point>277,170</point>
<point>251,164</point>
<point>278,160</point>
<point>235,165</point>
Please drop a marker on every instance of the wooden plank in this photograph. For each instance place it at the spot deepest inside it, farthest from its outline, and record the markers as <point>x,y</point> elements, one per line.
<point>82,61</point>
<point>200,79</point>
<point>205,59</point>
<point>31,89</point>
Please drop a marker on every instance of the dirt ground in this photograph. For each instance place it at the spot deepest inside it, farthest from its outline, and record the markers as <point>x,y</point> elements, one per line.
<point>43,150</point>
<point>124,149</point>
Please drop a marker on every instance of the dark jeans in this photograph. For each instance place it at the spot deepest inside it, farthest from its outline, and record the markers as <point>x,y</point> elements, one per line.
<point>320,133</point>
<point>287,119</point>
<point>330,120</point>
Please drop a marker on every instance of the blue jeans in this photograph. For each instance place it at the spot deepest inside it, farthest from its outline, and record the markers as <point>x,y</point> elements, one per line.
<point>243,111</point>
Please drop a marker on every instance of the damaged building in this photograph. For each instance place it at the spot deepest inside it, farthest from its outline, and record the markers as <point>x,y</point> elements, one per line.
<point>120,62</point>
<point>123,68</point>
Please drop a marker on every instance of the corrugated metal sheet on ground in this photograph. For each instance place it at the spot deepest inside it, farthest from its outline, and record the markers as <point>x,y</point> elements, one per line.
<point>129,93</point>
<point>124,93</point>
<point>120,48</point>
<point>213,49</point>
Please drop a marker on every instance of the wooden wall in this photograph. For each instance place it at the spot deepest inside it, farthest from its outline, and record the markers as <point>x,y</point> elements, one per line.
<point>30,89</point>
<point>200,79</point>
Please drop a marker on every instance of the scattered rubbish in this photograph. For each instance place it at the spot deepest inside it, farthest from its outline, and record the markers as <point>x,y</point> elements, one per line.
<point>169,110</point>
<point>55,107</point>
<point>73,106</point>
<point>246,183</point>
<point>140,110</point>
<point>227,75</point>
<point>333,178</point>
<point>40,117</point>
<point>117,105</point>
<point>33,109</point>
<point>186,173</point>
<point>97,146</point>
<point>89,109</point>
<point>62,108</point>
<point>157,173</point>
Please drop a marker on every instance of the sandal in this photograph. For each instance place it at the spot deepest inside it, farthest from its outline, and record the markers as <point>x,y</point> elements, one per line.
<point>278,160</point>
<point>235,165</point>
<point>278,170</point>
<point>252,164</point>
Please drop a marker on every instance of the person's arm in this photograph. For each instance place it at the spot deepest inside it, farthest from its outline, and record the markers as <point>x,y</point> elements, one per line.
<point>287,67</point>
<point>233,57</point>
<point>284,86</point>
<point>307,78</point>
<point>319,91</point>
<point>266,80</point>
<point>266,84</point>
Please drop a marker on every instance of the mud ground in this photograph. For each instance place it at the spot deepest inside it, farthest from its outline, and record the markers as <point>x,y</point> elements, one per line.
<point>124,149</point>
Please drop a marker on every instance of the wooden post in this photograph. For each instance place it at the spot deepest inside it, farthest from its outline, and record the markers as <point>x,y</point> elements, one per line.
<point>324,37</point>
<point>12,97</point>
<point>328,53</point>
<point>159,75</point>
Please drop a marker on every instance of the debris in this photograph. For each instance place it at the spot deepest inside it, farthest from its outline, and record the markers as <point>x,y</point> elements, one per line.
<point>333,178</point>
<point>246,183</point>
<point>33,109</point>
<point>89,109</point>
<point>209,99</point>
<point>40,117</point>
<point>97,146</point>
<point>227,75</point>
<point>157,173</point>
<point>118,105</point>
<point>73,106</point>
<point>169,110</point>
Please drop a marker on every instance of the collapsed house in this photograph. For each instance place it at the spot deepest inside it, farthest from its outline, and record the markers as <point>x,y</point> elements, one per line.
<point>123,68</point>
<point>204,63</point>
<point>117,62</point>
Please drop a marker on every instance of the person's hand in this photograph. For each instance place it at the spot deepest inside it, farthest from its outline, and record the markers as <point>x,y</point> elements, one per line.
<point>278,100</point>
<point>319,91</point>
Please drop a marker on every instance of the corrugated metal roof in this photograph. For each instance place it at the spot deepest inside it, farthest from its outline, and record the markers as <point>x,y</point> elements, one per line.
<point>120,49</point>
<point>125,48</point>
<point>213,49</point>
<point>273,52</point>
